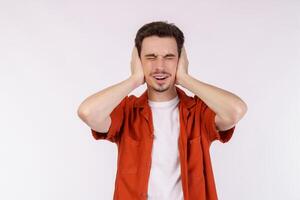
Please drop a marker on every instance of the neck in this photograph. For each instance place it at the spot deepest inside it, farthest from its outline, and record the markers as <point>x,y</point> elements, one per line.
<point>167,95</point>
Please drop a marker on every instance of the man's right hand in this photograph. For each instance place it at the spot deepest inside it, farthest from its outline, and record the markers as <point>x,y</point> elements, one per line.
<point>96,109</point>
<point>136,67</point>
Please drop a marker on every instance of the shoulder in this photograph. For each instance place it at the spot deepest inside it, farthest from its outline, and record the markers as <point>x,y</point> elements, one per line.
<point>129,101</point>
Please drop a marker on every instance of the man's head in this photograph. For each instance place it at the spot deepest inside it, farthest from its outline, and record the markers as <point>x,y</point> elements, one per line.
<point>159,47</point>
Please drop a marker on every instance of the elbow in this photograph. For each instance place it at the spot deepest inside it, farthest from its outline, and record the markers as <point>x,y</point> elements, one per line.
<point>235,114</point>
<point>240,110</point>
<point>82,113</point>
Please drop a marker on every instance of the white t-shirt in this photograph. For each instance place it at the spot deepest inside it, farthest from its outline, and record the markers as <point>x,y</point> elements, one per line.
<point>165,176</point>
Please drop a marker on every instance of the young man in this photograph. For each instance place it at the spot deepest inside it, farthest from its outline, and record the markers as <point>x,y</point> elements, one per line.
<point>163,136</point>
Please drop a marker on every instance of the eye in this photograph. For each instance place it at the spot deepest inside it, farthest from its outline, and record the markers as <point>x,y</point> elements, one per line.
<point>169,57</point>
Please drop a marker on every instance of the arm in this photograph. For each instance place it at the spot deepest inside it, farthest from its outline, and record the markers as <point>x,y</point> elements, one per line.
<point>95,110</point>
<point>228,107</point>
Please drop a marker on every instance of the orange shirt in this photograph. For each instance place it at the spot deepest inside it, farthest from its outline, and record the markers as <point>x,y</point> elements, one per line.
<point>132,130</point>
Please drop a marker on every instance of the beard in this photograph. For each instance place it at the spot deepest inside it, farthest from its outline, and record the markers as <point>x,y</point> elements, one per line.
<point>160,87</point>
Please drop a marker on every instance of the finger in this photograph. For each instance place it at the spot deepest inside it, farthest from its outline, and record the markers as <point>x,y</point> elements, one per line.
<point>183,49</point>
<point>132,51</point>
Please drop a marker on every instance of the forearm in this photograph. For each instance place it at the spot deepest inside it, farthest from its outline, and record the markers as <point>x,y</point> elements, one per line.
<point>101,104</point>
<point>225,104</point>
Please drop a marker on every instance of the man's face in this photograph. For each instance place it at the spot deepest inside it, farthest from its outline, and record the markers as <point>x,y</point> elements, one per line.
<point>159,58</point>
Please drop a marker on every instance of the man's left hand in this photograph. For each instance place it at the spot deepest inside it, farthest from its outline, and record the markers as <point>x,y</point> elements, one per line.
<point>182,67</point>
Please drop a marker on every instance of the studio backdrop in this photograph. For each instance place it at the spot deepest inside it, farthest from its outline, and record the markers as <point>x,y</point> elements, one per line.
<point>54,54</point>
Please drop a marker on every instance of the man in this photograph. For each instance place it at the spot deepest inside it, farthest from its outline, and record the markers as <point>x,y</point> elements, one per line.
<point>163,136</point>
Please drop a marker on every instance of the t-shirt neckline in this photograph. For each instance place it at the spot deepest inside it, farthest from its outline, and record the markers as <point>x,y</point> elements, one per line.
<point>163,103</point>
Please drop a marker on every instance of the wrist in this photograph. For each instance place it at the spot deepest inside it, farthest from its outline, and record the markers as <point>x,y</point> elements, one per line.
<point>135,81</point>
<point>183,78</point>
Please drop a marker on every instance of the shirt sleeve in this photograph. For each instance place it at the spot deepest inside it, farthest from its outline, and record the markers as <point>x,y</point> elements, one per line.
<point>117,121</point>
<point>208,117</point>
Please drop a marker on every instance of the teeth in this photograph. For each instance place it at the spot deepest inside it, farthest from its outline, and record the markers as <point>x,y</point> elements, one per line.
<point>160,76</point>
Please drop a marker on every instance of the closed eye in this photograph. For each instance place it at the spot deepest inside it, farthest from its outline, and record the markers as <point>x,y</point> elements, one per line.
<point>152,56</point>
<point>170,57</point>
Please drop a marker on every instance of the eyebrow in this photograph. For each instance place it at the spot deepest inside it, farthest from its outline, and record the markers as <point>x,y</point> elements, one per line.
<point>153,55</point>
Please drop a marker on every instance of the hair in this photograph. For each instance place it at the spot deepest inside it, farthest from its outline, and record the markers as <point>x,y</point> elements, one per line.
<point>160,29</point>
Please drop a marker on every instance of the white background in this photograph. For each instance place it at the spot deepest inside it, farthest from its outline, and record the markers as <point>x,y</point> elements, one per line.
<point>53,54</point>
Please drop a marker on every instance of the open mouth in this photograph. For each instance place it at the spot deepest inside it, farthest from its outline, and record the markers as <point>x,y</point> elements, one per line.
<point>160,77</point>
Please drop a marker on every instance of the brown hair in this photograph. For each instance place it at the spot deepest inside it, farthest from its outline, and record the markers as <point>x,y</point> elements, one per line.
<point>160,29</point>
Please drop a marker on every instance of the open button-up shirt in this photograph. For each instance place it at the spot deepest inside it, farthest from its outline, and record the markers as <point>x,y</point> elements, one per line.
<point>132,130</point>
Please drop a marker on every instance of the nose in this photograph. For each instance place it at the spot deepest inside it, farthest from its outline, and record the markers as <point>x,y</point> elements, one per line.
<point>159,63</point>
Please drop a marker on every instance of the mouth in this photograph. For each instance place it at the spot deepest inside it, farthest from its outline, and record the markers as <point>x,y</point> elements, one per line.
<point>160,77</point>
